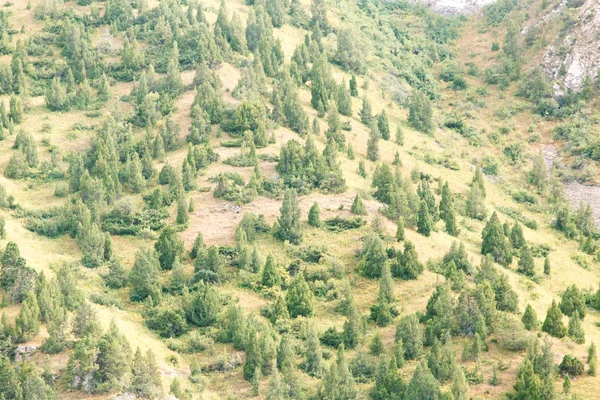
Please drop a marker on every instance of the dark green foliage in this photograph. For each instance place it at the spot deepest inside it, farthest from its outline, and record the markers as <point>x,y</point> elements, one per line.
<point>373,143</point>
<point>353,87</point>
<point>289,222</point>
<point>400,230</point>
<point>592,359</point>
<point>424,220</point>
<point>442,360</point>
<point>209,266</point>
<point>344,100</point>
<point>366,114</point>
<point>145,375</point>
<point>575,330</point>
<point>423,384</point>
<point>553,324</point>
<point>299,298</point>
<point>358,206</point>
<point>495,243</point>
<point>169,248</point>
<point>547,268</point>
<point>203,305</point>
<point>526,262</point>
<point>447,213</point>
<point>383,125</point>
<point>373,257</point>
<point>314,215</point>
<point>420,113</point>
<point>198,246</point>
<point>410,332</point>
<point>529,319</point>
<point>145,276</point>
<point>270,275</point>
<point>407,265</point>
<point>27,323</point>
<point>573,300</point>
<point>571,366</point>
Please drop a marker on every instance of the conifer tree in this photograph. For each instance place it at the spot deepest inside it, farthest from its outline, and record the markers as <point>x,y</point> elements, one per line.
<point>145,376</point>
<point>16,110</point>
<point>399,136</point>
<point>460,387</point>
<point>538,175</point>
<point>353,329</point>
<point>410,332</point>
<point>447,213</point>
<point>270,276</point>
<point>424,221</point>
<point>376,347</point>
<point>197,247</point>
<point>314,215</point>
<point>169,248</point>
<point>389,384</point>
<point>516,236</point>
<point>575,330</point>
<point>202,307</point>
<point>56,96</point>
<point>353,87</point>
<point>373,257</point>
<point>592,359</point>
<point>358,206</point>
<point>407,265</point>
<point>423,384</point>
<point>344,100</point>
<point>479,181</point>
<point>475,205</point>
<point>366,114</point>
<point>314,356</point>
<point>27,323</point>
<point>573,300</point>
<point>420,114</point>
<point>289,221</point>
<point>209,266</point>
<point>383,125</point>
<point>495,243</point>
<point>373,144</point>
<point>400,229</point>
<point>526,262</point>
<point>183,217</point>
<point>529,319</point>
<point>553,324</point>
<point>299,298</point>
<point>547,268</point>
<point>145,276</point>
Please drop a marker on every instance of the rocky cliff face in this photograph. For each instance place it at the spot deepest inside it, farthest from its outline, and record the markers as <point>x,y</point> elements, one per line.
<point>455,7</point>
<point>576,55</point>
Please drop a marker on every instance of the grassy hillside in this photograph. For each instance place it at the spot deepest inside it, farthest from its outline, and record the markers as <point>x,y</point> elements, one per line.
<point>146,156</point>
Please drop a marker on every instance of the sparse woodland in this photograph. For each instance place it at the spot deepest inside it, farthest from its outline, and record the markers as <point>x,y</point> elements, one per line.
<point>293,199</point>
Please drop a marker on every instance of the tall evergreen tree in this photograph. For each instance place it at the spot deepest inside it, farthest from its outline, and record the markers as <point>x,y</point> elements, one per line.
<point>373,257</point>
<point>424,221</point>
<point>553,324</point>
<point>373,144</point>
<point>366,114</point>
<point>420,114</point>
<point>314,215</point>
<point>145,276</point>
<point>289,221</point>
<point>383,125</point>
<point>299,298</point>
<point>495,243</point>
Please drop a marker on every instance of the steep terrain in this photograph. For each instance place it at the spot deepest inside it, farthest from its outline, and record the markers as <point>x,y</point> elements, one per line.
<point>294,200</point>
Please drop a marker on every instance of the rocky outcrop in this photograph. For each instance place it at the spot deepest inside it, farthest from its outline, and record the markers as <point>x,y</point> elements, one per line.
<point>576,55</point>
<point>455,7</point>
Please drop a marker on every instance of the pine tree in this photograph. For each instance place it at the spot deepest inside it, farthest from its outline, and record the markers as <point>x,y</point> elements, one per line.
<point>344,100</point>
<point>27,323</point>
<point>460,387</point>
<point>353,87</point>
<point>145,376</point>
<point>289,221</point>
<point>423,384</point>
<point>56,96</point>
<point>85,323</point>
<point>592,359</point>
<point>353,329</point>
<point>516,236</point>
<point>575,330</point>
<point>376,347</point>
<point>197,247</point>
<point>399,136</point>
<point>420,114</point>
<point>553,324</point>
<point>183,217</point>
<point>400,230</point>
<point>407,265</point>
<point>373,144</point>
<point>145,276</point>
<point>528,385</point>
<point>314,357</point>
<point>358,206</point>
<point>270,276</point>
<point>389,384</point>
<point>529,319</point>
<point>366,115</point>
<point>16,110</point>
<point>314,215</point>
<point>202,307</point>
<point>573,300</point>
<point>373,257</point>
<point>299,298</point>
<point>475,205</point>
<point>479,181</point>
<point>362,171</point>
<point>547,268</point>
<point>526,263</point>
<point>424,222</point>
<point>495,243</point>
<point>383,125</point>
<point>410,332</point>
<point>169,248</point>
<point>538,176</point>
<point>447,213</point>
